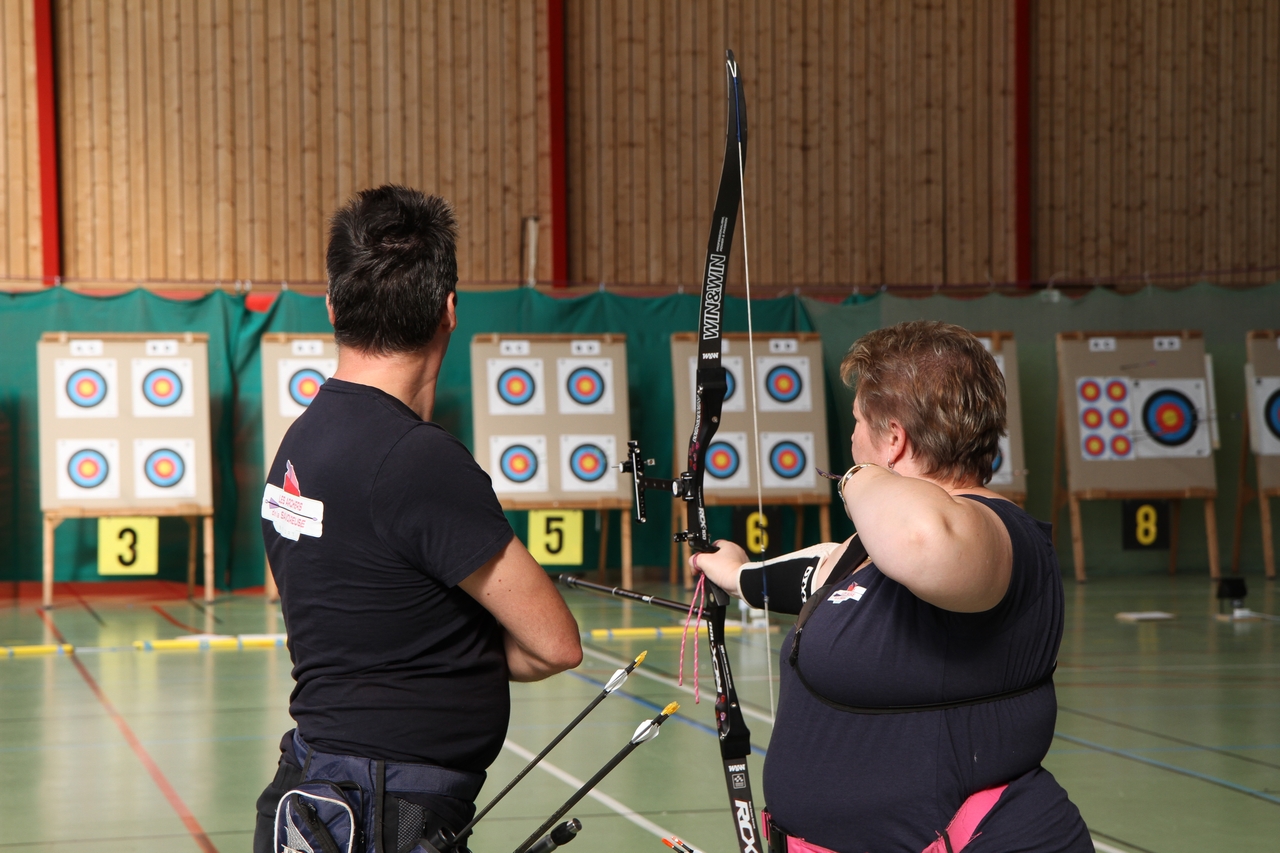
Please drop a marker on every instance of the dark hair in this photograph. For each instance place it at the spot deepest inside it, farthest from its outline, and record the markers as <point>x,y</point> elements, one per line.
<point>392,265</point>
<point>941,384</point>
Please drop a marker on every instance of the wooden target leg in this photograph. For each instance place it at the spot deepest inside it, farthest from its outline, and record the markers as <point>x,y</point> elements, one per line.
<point>208,559</point>
<point>46,584</point>
<point>269,582</point>
<point>1077,538</point>
<point>824,522</point>
<point>602,514</point>
<point>191,555</point>
<point>1175,524</point>
<point>1268,546</point>
<point>1244,494</point>
<point>1211,537</point>
<point>628,578</point>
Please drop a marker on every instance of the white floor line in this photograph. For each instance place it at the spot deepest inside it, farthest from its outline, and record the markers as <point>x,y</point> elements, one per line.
<point>747,710</point>
<point>1103,847</point>
<point>604,799</point>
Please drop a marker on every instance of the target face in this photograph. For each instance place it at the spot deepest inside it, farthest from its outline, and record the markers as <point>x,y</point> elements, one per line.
<point>1090,391</point>
<point>1121,446</point>
<point>783,383</point>
<point>515,386</point>
<point>585,386</point>
<point>1118,418</point>
<point>1091,418</point>
<point>1271,414</point>
<point>1002,465</point>
<point>1169,417</point>
<point>1104,408</point>
<point>304,385</point>
<point>162,387</point>
<point>519,463</point>
<point>300,380</point>
<point>86,388</point>
<point>1095,446</point>
<point>723,460</point>
<point>787,459</point>
<point>164,468</point>
<point>588,463</point>
<point>88,469</point>
<point>1117,390</point>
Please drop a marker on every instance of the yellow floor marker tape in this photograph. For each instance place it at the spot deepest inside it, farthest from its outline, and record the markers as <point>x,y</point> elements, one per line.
<point>40,649</point>
<point>196,642</point>
<point>674,632</point>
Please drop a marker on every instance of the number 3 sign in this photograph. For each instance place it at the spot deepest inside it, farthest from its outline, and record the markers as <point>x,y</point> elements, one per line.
<point>555,536</point>
<point>128,546</point>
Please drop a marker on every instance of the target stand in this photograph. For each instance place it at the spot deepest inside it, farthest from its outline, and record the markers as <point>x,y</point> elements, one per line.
<point>124,431</point>
<point>1260,439</point>
<point>1136,419</point>
<point>1009,471</point>
<point>790,390</point>
<point>550,415</point>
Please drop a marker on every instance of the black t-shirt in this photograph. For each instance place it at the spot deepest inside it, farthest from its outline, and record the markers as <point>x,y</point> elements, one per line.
<point>392,660</point>
<point>889,782</point>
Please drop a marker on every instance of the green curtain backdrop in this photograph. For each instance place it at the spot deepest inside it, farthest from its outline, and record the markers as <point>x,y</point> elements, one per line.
<point>236,398</point>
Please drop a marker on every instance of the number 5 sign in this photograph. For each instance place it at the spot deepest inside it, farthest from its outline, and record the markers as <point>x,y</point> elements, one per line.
<point>128,546</point>
<point>555,536</point>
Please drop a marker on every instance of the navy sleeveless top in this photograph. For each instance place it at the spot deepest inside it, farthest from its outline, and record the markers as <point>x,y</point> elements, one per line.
<point>890,782</point>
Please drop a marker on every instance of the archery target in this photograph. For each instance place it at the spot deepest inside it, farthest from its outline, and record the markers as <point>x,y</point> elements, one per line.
<point>1264,411</point>
<point>162,388</point>
<point>784,383</point>
<point>586,386</point>
<point>518,463</point>
<point>86,387</point>
<point>1001,468</point>
<point>734,399</point>
<point>727,462</point>
<point>299,382</point>
<point>1103,407</point>
<point>164,468</point>
<point>515,386</point>
<point>1171,418</point>
<point>88,469</point>
<point>786,460</point>
<point>588,463</point>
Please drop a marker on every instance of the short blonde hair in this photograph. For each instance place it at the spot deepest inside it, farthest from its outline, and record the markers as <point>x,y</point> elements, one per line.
<point>941,385</point>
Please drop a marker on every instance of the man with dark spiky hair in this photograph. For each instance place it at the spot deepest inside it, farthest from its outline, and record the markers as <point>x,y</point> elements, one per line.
<point>408,601</point>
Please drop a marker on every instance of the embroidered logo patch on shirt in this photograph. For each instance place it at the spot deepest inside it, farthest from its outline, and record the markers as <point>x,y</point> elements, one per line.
<point>853,593</point>
<point>290,513</point>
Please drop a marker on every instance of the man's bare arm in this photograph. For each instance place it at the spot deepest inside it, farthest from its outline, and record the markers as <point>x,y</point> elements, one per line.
<point>541,634</point>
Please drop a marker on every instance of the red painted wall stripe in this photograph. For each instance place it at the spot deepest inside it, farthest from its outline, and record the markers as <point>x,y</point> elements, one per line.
<point>47,107</point>
<point>559,173</point>
<point>1022,139</point>
<point>175,801</point>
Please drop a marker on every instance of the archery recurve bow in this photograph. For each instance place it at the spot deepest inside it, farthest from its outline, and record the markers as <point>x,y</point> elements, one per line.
<point>735,738</point>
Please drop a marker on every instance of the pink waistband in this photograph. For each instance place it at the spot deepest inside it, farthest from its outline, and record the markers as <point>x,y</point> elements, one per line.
<point>960,831</point>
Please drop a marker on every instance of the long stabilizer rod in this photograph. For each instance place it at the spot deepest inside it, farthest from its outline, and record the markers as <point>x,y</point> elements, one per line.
<point>620,592</point>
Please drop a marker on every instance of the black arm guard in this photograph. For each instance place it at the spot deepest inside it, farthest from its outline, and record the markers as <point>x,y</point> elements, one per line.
<point>789,578</point>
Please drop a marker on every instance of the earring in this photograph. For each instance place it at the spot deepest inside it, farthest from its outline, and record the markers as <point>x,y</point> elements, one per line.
<point>890,466</point>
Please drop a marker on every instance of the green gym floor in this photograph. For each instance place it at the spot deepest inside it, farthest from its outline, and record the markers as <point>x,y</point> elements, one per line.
<point>1168,734</point>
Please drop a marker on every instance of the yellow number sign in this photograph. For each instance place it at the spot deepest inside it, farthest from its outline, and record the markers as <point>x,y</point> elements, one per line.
<point>555,536</point>
<point>128,546</point>
<point>1147,531</point>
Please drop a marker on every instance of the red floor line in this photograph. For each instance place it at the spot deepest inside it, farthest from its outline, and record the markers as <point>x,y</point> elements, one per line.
<point>157,608</point>
<point>184,814</point>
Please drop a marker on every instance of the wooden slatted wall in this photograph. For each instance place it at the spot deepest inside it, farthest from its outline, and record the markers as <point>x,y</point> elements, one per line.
<point>210,139</point>
<point>21,242</point>
<point>1158,126</point>
<point>881,139</point>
